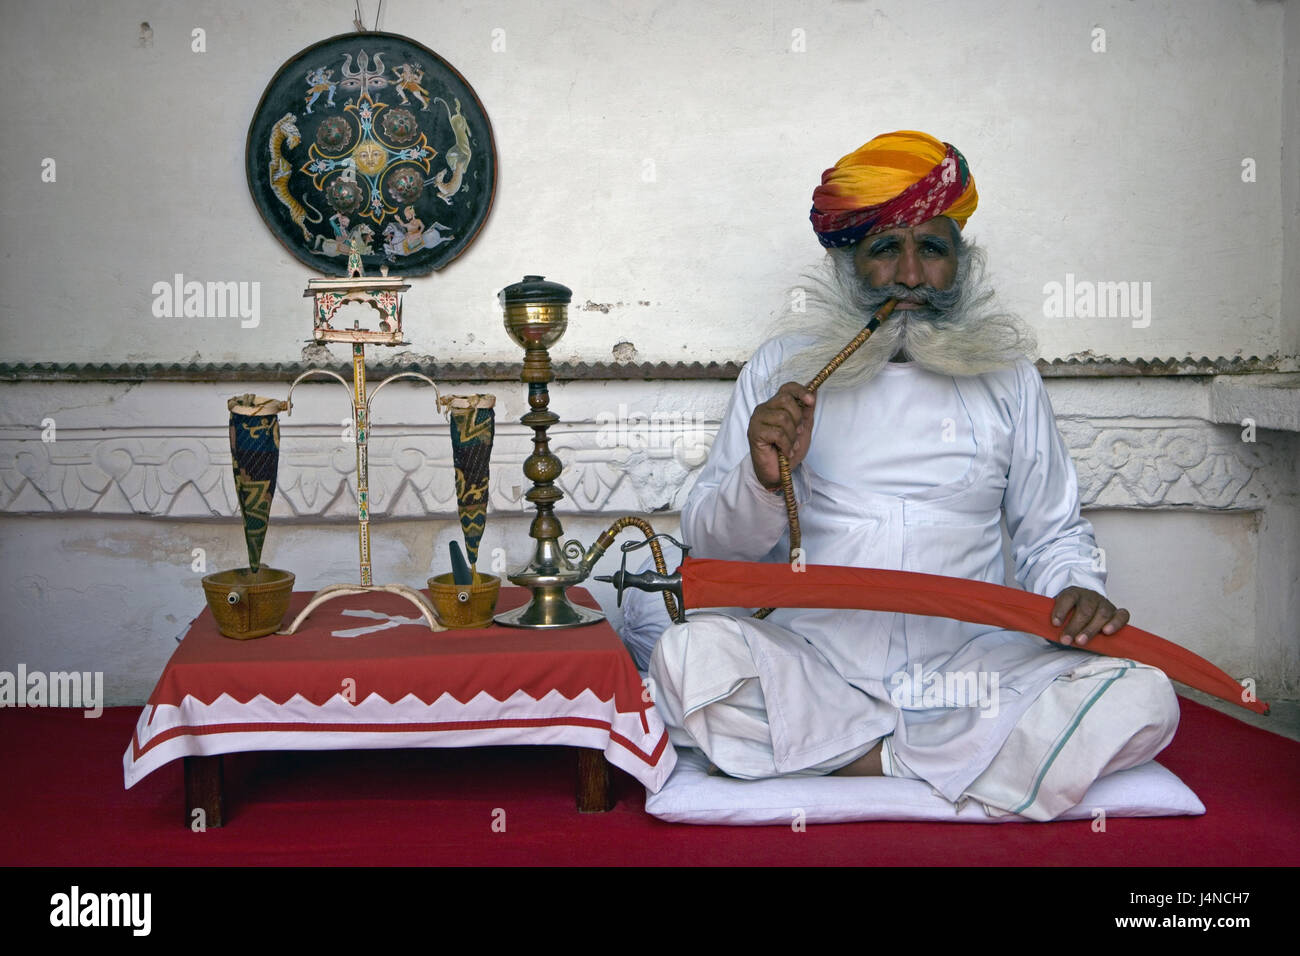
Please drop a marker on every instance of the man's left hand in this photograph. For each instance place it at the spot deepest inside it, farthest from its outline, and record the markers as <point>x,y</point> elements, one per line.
<point>1092,615</point>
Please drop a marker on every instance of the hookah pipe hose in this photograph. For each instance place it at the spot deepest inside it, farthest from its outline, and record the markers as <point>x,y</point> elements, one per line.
<point>787,482</point>
<point>607,537</point>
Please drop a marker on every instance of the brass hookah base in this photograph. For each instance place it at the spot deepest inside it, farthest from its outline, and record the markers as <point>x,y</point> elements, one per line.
<point>550,606</point>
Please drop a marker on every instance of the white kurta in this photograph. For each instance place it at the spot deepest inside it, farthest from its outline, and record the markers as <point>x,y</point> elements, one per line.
<point>912,471</point>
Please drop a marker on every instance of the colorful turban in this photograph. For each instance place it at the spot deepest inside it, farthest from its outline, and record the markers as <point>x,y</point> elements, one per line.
<point>898,179</point>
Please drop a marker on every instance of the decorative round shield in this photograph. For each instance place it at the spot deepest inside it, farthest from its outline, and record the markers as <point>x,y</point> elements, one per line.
<point>372,141</point>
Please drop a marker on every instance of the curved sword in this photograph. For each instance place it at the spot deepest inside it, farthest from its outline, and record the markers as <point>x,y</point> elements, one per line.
<point>704,582</point>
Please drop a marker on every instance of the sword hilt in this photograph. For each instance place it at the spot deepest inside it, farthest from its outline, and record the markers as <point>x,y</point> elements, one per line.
<point>649,581</point>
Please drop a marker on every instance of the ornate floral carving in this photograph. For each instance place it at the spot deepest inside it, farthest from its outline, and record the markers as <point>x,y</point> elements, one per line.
<point>1161,465</point>
<point>1120,463</point>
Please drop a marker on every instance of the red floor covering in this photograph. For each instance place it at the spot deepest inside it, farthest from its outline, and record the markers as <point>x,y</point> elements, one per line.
<point>63,804</point>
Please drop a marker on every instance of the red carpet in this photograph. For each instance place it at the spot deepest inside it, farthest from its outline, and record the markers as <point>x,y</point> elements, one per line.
<point>64,805</point>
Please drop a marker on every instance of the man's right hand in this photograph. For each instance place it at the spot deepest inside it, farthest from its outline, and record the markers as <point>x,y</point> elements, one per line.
<point>783,423</point>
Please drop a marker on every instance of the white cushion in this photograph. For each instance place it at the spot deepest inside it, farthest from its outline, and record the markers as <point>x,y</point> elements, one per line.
<point>691,795</point>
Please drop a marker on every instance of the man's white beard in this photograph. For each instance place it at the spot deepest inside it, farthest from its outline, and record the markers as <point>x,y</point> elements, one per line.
<point>959,332</point>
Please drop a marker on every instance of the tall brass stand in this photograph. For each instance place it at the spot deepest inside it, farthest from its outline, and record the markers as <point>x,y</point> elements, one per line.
<point>536,316</point>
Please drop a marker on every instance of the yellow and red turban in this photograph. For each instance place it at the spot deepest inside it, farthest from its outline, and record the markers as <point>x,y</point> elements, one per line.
<point>898,179</point>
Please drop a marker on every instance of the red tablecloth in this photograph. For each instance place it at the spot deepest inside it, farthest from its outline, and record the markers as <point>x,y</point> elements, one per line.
<point>398,684</point>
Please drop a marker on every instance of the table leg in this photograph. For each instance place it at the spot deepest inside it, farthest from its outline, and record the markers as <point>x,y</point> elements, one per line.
<point>204,785</point>
<point>593,782</point>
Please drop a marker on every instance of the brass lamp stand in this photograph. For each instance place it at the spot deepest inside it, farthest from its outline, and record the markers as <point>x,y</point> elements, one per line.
<point>536,316</point>
<point>384,295</point>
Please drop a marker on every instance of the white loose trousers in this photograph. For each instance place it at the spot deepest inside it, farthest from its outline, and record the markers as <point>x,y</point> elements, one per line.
<point>710,676</point>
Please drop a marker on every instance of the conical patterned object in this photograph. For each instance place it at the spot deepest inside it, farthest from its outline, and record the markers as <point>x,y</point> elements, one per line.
<point>255,451</point>
<point>473,425</point>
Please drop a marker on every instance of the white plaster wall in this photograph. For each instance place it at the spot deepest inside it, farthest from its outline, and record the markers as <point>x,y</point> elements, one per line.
<point>98,529</point>
<point>1190,579</point>
<point>1122,165</point>
<point>658,157</point>
<point>1290,204</point>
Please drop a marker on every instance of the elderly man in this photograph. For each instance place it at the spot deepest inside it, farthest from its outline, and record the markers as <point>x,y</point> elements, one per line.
<point>909,457</point>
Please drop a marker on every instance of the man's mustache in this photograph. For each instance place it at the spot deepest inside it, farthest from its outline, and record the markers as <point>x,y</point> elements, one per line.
<point>937,300</point>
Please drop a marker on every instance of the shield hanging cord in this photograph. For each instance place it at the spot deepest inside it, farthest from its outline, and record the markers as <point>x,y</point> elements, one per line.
<point>787,481</point>
<point>361,27</point>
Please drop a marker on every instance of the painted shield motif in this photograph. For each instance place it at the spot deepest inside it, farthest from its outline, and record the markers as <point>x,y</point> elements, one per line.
<point>373,138</point>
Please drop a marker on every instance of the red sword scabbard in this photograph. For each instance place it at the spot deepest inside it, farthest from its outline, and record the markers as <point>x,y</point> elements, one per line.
<point>712,583</point>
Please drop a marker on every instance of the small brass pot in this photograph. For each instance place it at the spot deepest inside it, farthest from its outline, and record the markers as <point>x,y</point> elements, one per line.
<point>248,604</point>
<point>465,605</point>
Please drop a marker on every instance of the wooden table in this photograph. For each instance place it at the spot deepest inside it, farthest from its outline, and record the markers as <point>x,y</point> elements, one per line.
<point>365,673</point>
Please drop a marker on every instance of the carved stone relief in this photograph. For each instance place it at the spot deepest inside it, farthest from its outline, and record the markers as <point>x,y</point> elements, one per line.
<point>1171,464</point>
<point>1129,463</point>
